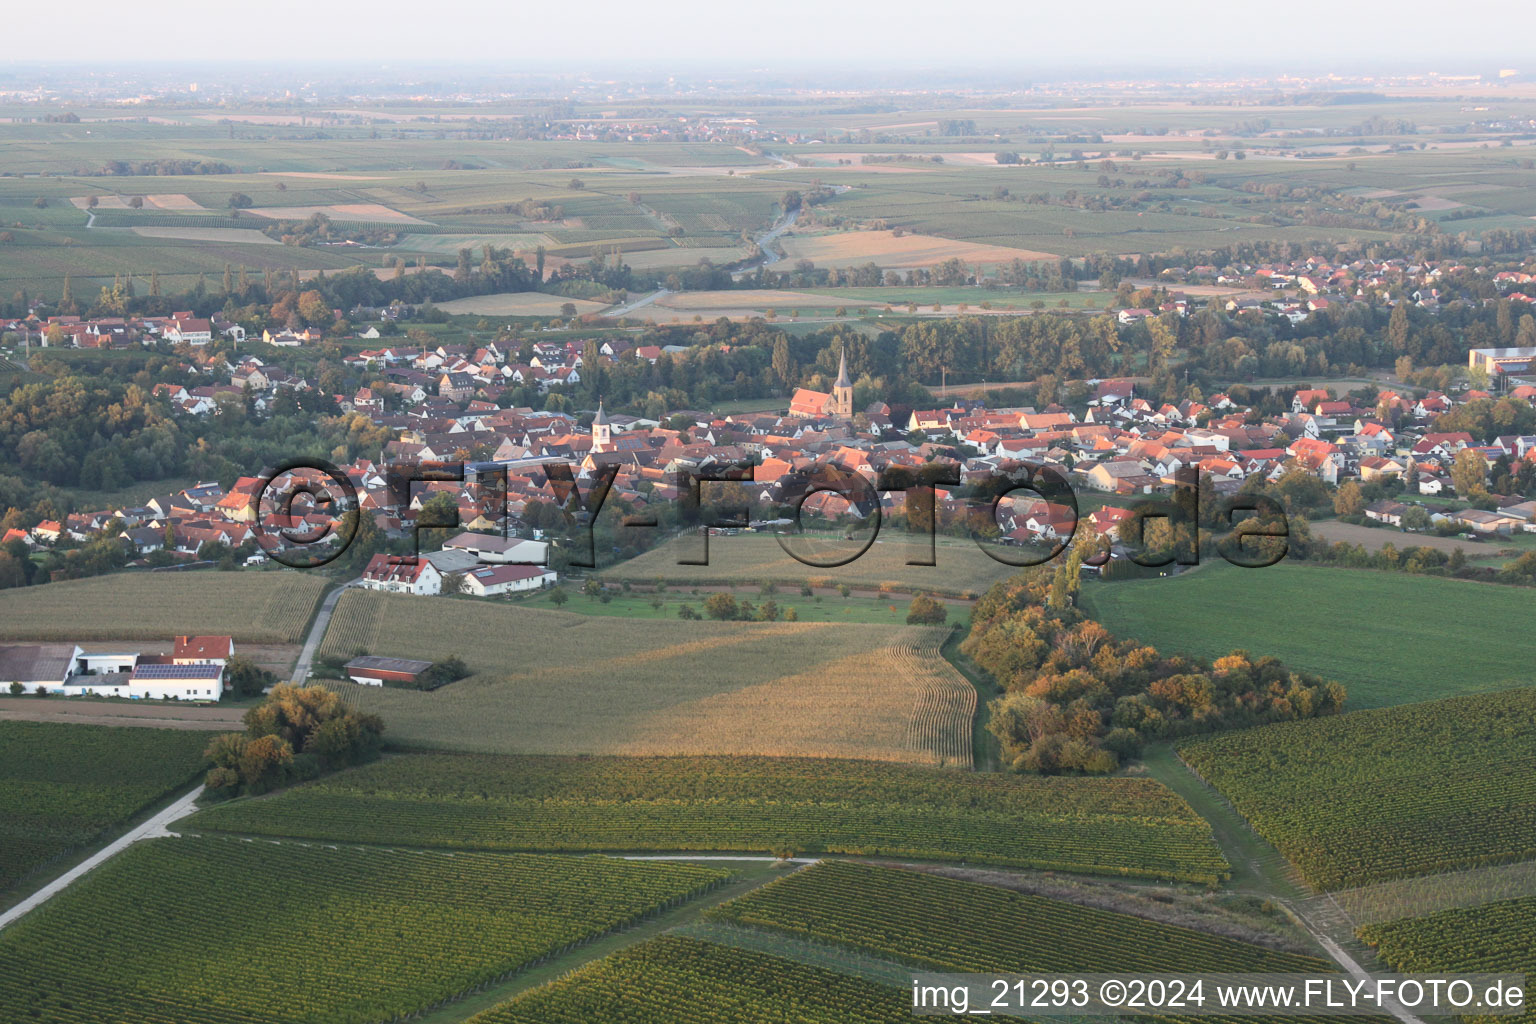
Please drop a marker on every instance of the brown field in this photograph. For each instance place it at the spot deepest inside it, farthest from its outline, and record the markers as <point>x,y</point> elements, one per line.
<point>852,248</point>
<point>253,607</point>
<point>86,712</point>
<point>556,682</point>
<point>167,201</point>
<point>518,304</point>
<point>338,211</point>
<point>246,236</point>
<point>1373,538</point>
<point>963,569</point>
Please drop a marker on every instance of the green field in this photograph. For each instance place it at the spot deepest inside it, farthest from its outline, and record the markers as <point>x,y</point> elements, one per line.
<point>1495,938</point>
<point>63,787</point>
<point>678,980</point>
<point>888,611</point>
<point>961,568</point>
<point>207,931</point>
<point>1387,793</point>
<point>1386,636</point>
<point>1131,827</point>
<point>557,682</point>
<point>252,607</point>
<point>944,924</point>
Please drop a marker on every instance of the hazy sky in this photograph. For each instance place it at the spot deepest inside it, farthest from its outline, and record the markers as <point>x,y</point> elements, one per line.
<point>1091,34</point>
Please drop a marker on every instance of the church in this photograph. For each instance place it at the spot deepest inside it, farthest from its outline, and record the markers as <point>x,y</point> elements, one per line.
<point>819,404</point>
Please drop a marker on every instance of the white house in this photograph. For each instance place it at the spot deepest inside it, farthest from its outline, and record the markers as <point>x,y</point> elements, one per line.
<point>505,579</point>
<point>398,577</point>
<point>500,550</point>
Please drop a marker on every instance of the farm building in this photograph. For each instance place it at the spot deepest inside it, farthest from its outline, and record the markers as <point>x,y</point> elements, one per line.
<point>505,579</point>
<point>34,665</point>
<point>500,550</point>
<point>372,671</point>
<point>196,650</point>
<point>204,681</point>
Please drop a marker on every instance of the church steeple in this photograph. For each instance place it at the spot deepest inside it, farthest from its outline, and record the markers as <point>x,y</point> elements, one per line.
<point>842,390</point>
<point>602,430</point>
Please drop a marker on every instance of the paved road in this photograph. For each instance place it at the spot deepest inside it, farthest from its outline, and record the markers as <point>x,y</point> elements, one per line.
<point>634,304</point>
<point>317,632</point>
<point>154,828</point>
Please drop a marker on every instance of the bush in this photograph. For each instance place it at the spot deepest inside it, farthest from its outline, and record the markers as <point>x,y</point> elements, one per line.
<point>926,611</point>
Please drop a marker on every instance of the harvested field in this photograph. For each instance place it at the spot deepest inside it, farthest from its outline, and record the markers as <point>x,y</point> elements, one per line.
<point>252,607</point>
<point>519,304</point>
<point>84,712</point>
<point>1372,539</point>
<point>165,201</point>
<point>556,682</point>
<point>338,211</point>
<point>683,257</point>
<point>962,568</point>
<point>324,176</point>
<point>244,236</point>
<point>746,298</point>
<point>852,248</point>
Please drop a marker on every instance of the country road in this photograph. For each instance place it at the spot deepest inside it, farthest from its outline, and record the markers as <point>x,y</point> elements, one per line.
<point>154,828</point>
<point>317,632</point>
<point>634,304</point>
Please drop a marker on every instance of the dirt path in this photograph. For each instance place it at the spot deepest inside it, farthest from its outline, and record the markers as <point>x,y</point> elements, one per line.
<point>154,828</point>
<point>317,633</point>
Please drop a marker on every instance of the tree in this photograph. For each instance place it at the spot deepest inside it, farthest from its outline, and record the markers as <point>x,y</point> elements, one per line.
<point>240,201</point>
<point>245,678</point>
<point>926,610</point>
<point>1469,473</point>
<point>558,596</point>
<point>685,611</point>
<point>591,589</point>
<point>1416,518</point>
<point>721,607</point>
<point>455,583</point>
<point>1349,501</point>
<point>17,689</point>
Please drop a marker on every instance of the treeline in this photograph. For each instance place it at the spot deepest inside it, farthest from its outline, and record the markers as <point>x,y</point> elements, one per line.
<point>167,166</point>
<point>1076,699</point>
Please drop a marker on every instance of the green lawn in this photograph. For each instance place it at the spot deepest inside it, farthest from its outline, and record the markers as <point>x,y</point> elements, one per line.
<point>809,609</point>
<point>1391,638</point>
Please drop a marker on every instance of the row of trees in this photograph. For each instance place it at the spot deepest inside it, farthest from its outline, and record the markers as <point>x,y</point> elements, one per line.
<point>1076,699</point>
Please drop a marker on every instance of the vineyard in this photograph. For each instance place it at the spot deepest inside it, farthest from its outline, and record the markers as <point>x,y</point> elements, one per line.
<point>676,980</point>
<point>1388,793</point>
<point>208,931</point>
<point>63,786</point>
<point>1122,826</point>
<point>252,607</point>
<point>798,689</point>
<point>1495,938</point>
<point>945,924</point>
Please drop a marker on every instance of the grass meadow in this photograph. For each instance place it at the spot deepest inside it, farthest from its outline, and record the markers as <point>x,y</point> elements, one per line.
<point>1390,638</point>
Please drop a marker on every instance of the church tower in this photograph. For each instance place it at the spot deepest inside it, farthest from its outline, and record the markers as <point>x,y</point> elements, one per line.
<point>842,391</point>
<point>602,431</point>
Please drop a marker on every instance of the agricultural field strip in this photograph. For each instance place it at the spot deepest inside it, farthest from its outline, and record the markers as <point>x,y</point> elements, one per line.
<point>1129,827</point>
<point>264,607</point>
<point>142,934</point>
<point>63,787</point>
<point>952,925</point>
<point>1414,790</point>
<point>1497,938</point>
<point>658,687</point>
<point>674,979</point>
<point>1429,894</point>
